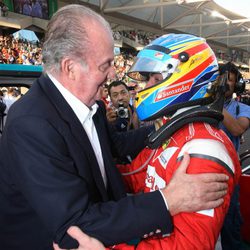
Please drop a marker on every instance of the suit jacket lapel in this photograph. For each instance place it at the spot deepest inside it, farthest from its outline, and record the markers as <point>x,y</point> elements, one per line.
<point>114,178</point>
<point>76,128</point>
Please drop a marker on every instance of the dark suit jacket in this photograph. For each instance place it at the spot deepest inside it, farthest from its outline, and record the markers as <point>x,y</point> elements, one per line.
<point>50,178</point>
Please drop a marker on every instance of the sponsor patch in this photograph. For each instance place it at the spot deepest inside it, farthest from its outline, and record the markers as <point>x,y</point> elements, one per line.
<point>168,92</point>
<point>194,60</point>
<point>159,55</point>
<point>166,155</point>
<point>153,180</point>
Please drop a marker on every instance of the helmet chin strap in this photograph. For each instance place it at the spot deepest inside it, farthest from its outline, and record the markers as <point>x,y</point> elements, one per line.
<point>211,114</point>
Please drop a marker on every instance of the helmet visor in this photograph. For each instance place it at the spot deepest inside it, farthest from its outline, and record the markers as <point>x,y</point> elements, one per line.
<point>148,61</point>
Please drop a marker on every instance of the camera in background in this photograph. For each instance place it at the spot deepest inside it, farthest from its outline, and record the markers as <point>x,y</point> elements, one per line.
<point>122,112</point>
<point>245,96</point>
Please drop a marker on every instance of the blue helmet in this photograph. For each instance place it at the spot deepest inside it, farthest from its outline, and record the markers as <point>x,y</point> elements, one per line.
<point>188,66</point>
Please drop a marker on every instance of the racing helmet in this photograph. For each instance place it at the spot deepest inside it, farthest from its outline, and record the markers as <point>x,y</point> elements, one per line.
<point>188,66</point>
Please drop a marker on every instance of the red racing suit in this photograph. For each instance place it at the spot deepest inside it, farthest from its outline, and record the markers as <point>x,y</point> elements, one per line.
<point>210,151</point>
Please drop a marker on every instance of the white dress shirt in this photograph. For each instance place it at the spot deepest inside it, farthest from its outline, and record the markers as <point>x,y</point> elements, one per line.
<point>85,115</point>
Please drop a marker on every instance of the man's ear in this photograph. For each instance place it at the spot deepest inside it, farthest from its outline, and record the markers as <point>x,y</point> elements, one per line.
<point>68,68</point>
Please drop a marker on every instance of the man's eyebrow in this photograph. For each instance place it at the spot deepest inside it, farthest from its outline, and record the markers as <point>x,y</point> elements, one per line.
<point>122,90</point>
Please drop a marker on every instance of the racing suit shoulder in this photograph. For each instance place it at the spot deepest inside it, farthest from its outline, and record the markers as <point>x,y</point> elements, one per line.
<point>211,152</point>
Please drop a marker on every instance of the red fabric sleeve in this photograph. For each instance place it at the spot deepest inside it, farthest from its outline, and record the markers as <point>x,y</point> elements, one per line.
<point>135,182</point>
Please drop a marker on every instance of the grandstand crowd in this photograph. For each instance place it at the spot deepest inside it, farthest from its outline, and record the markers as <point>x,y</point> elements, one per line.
<point>140,37</point>
<point>19,51</point>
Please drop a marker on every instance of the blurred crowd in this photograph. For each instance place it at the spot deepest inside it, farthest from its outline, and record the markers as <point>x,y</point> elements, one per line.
<point>19,51</point>
<point>122,64</point>
<point>140,37</point>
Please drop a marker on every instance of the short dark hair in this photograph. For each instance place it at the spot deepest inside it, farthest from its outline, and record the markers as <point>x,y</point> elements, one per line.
<point>231,68</point>
<point>115,84</point>
<point>105,85</point>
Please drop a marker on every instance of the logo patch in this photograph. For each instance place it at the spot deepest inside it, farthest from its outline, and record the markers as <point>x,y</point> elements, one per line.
<point>166,155</point>
<point>168,92</point>
<point>194,60</point>
<point>153,180</point>
<point>159,55</point>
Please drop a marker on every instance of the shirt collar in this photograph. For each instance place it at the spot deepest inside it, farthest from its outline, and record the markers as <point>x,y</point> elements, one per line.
<point>80,109</point>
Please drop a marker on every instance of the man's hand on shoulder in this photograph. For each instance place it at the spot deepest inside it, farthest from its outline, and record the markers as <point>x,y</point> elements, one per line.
<point>190,193</point>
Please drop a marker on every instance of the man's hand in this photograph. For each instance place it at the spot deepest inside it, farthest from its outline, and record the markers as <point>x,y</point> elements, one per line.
<point>85,242</point>
<point>189,193</point>
<point>111,114</point>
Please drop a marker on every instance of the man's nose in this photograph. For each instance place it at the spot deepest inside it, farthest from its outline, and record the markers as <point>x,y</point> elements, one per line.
<point>120,97</point>
<point>150,82</point>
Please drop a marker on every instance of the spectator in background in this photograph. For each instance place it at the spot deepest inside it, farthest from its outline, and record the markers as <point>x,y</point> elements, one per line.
<point>36,9</point>
<point>133,89</point>
<point>3,9</point>
<point>12,57</point>
<point>2,4</point>
<point>236,114</point>
<point>17,93</point>
<point>9,98</point>
<point>1,94</point>
<point>120,113</point>
<point>27,8</point>
<point>105,94</point>
<point>236,121</point>
<point>2,59</point>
